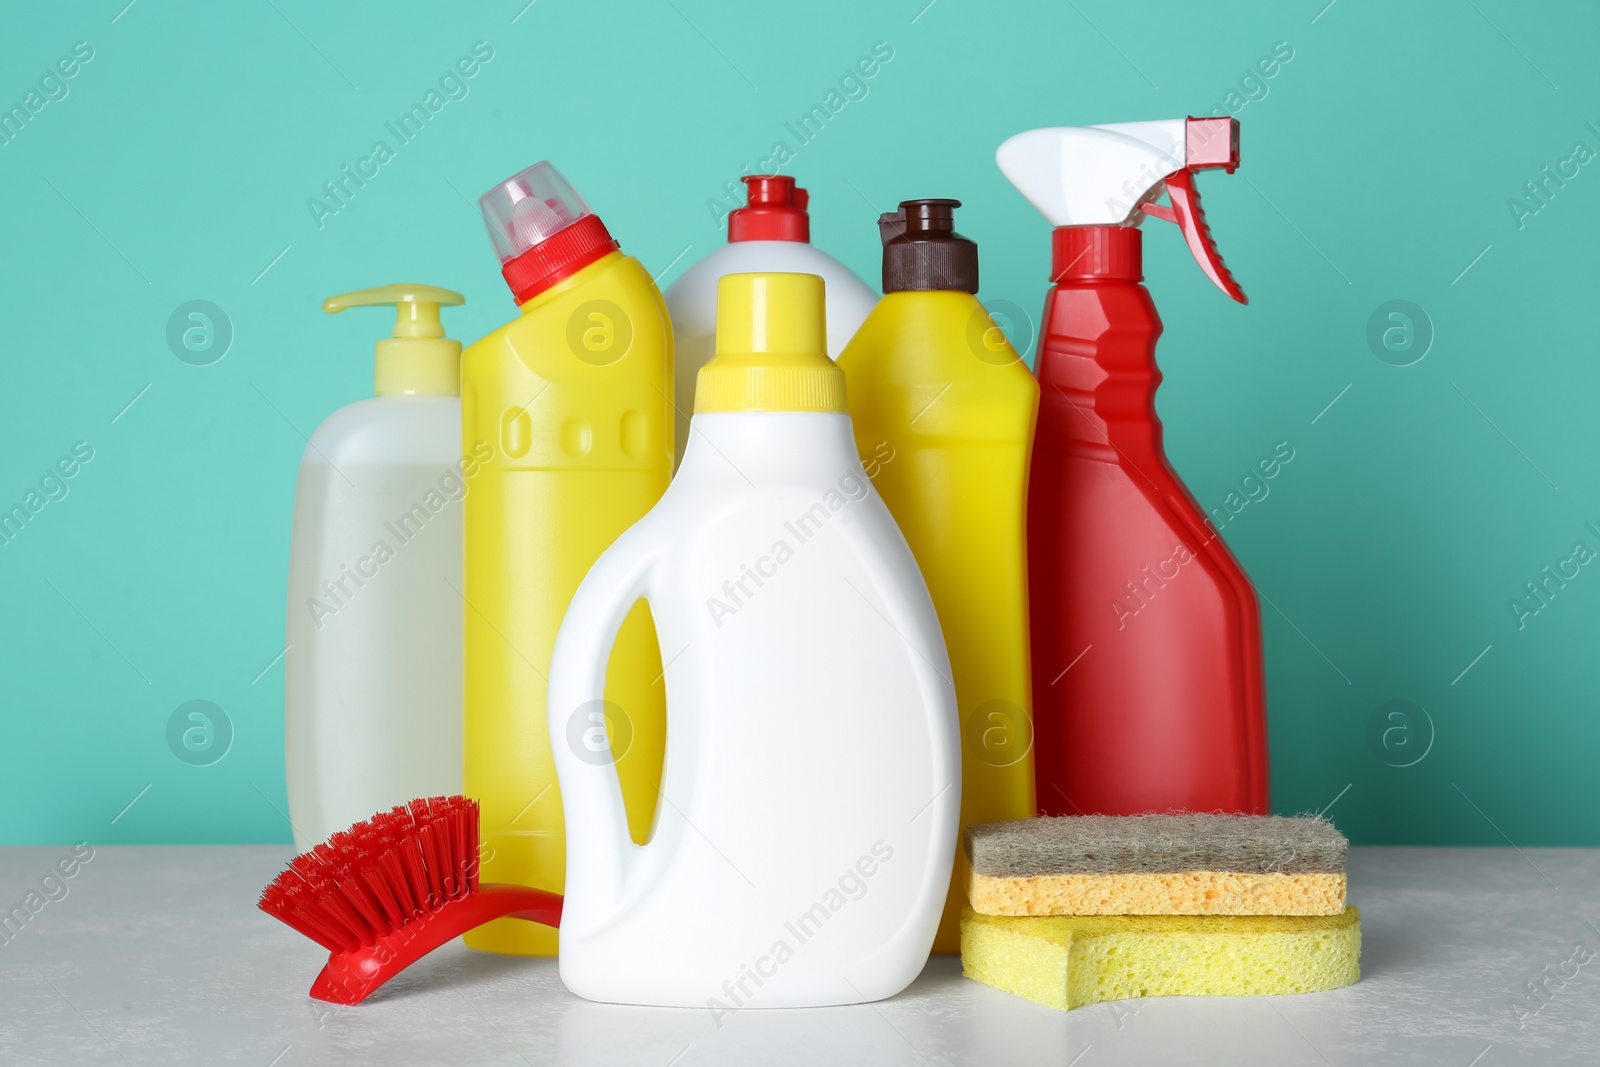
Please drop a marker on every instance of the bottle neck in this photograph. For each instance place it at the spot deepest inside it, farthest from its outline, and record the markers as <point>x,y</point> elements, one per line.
<point>1096,361</point>
<point>1096,254</point>
<point>423,366</point>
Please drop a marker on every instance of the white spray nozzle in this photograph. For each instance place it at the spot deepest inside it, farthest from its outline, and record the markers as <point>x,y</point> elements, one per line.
<point>1094,175</point>
<point>1112,175</point>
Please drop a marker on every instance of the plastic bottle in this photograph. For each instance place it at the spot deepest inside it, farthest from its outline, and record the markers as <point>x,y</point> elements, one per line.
<point>812,785</point>
<point>372,687</point>
<point>1147,673</point>
<point>570,407</point>
<point>772,232</point>
<point>943,409</point>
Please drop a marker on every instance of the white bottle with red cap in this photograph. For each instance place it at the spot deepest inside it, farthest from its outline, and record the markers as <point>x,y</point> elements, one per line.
<point>772,232</point>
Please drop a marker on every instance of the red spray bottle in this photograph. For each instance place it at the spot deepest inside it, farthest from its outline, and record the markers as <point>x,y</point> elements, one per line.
<point>1146,634</point>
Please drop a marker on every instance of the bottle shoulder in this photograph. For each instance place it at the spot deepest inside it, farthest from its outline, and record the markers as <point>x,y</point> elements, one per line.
<point>740,256</point>
<point>713,512</point>
<point>616,287</point>
<point>914,339</point>
<point>692,297</point>
<point>389,429</point>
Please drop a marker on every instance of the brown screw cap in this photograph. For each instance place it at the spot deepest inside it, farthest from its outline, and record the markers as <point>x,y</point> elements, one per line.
<point>922,251</point>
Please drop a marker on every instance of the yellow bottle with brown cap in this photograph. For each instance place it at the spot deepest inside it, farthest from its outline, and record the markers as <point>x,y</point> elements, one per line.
<point>944,411</point>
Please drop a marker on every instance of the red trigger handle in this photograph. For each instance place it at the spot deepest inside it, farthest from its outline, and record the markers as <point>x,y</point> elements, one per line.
<point>1206,149</point>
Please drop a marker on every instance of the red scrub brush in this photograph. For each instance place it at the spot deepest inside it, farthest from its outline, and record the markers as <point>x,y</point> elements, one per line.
<point>386,892</point>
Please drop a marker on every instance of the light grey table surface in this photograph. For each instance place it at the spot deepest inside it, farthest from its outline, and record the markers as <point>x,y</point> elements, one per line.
<point>157,955</point>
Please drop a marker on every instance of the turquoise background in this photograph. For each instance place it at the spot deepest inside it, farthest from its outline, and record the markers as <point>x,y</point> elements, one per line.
<point>1378,166</point>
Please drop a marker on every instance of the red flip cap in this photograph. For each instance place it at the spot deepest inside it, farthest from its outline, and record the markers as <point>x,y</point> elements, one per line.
<point>775,210</point>
<point>542,230</point>
<point>1209,143</point>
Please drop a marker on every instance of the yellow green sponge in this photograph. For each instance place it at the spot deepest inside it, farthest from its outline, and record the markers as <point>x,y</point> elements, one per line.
<point>1064,961</point>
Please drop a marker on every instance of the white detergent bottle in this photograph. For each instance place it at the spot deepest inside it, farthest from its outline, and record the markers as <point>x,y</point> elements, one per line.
<point>372,686</point>
<point>772,232</point>
<point>806,828</point>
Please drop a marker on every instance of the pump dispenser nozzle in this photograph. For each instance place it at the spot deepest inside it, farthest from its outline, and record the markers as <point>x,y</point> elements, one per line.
<point>417,359</point>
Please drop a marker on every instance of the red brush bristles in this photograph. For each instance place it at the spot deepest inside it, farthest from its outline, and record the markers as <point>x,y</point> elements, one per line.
<point>386,892</point>
<point>368,881</point>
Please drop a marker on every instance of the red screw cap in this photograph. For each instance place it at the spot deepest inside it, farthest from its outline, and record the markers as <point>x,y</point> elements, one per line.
<point>775,211</point>
<point>557,258</point>
<point>1096,253</point>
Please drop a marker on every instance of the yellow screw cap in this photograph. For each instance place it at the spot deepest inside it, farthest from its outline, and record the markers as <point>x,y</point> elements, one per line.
<point>418,359</point>
<point>772,348</point>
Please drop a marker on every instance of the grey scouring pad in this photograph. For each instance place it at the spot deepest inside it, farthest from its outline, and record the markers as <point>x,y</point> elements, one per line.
<point>1157,865</point>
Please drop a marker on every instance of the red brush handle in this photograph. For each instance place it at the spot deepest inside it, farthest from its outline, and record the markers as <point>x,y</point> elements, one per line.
<point>350,977</point>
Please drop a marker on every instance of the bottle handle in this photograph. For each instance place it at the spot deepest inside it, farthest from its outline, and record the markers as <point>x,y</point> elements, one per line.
<point>600,850</point>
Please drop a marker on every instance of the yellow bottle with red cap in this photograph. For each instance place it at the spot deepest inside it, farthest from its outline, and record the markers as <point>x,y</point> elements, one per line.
<point>569,410</point>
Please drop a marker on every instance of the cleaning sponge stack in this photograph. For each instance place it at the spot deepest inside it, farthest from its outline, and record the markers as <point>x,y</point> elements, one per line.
<point>1078,909</point>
